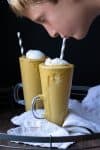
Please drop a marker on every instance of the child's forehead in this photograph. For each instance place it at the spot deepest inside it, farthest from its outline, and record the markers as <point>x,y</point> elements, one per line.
<point>19,6</point>
<point>37,9</point>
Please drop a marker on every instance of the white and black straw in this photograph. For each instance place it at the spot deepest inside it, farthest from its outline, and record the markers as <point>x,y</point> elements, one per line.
<point>20,43</point>
<point>63,48</point>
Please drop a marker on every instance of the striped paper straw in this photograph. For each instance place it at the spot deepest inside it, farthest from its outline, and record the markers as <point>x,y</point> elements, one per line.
<point>20,43</point>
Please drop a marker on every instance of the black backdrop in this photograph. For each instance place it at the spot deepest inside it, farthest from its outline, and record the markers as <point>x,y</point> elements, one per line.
<point>84,54</point>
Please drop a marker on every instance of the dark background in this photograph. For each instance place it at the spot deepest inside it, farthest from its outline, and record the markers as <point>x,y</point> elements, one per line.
<point>84,54</point>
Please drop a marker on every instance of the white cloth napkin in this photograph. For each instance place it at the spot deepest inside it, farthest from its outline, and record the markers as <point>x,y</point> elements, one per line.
<point>82,116</point>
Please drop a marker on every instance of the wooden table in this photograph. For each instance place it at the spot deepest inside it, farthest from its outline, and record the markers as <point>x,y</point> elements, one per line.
<point>87,142</point>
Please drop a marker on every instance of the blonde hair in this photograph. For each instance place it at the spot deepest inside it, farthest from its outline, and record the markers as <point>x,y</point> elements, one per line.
<point>18,6</point>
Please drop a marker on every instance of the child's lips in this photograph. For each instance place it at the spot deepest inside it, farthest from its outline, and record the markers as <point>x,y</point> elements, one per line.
<point>67,37</point>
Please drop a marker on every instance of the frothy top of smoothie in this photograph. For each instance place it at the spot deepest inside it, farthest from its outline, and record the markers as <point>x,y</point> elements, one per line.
<point>55,61</point>
<point>35,54</point>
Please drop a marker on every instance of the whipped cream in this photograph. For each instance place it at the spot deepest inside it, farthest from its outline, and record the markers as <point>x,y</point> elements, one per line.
<point>35,54</point>
<point>55,61</point>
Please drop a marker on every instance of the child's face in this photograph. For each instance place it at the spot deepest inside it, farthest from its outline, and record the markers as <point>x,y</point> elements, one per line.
<point>66,18</point>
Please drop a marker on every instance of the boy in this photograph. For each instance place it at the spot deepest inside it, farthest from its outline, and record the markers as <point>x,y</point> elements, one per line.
<point>67,18</point>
